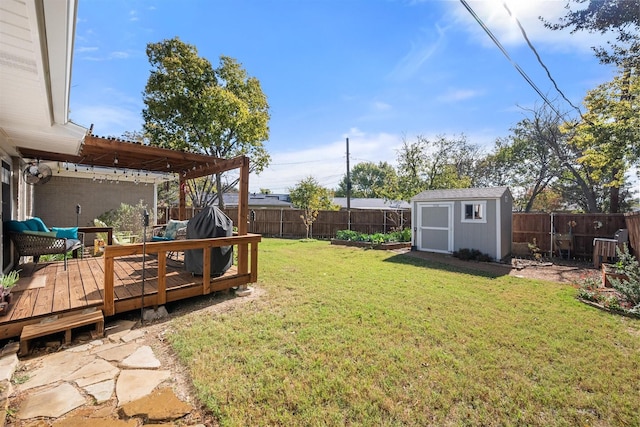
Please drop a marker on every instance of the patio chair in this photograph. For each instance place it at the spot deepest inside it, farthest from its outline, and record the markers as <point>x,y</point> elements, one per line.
<point>173,230</point>
<point>33,238</point>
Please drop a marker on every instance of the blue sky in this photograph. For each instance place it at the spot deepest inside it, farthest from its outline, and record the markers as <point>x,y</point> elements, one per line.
<point>375,71</point>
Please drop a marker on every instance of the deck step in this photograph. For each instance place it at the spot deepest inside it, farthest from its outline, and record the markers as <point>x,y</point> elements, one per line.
<point>65,324</point>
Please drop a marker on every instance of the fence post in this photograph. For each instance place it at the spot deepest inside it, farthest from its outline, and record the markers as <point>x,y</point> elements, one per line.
<point>552,232</point>
<point>281,221</point>
<point>384,221</point>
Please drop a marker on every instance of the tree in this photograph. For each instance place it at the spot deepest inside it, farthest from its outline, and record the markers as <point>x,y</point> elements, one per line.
<point>309,196</point>
<point>609,132</point>
<point>369,180</point>
<point>604,16</point>
<point>526,160</point>
<point>191,106</point>
<point>443,162</point>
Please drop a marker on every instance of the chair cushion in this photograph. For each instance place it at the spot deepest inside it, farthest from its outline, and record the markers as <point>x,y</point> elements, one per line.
<point>172,228</point>
<point>73,244</point>
<point>15,226</point>
<point>36,224</point>
<point>41,233</point>
<point>160,239</point>
<point>66,232</point>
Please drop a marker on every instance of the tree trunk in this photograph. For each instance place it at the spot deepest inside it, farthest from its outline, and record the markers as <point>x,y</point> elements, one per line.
<point>219,190</point>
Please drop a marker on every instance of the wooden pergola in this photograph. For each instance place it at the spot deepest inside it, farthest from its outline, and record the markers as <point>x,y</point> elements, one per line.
<point>117,153</point>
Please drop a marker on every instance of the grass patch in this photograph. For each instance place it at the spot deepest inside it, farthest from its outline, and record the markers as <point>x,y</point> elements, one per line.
<point>350,336</point>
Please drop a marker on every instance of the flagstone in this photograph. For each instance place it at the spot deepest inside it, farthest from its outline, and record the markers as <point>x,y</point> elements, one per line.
<point>160,405</point>
<point>8,366</point>
<point>101,391</point>
<point>97,371</point>
<point>132,335</point>
<point>51,403</point>
<point>133,384</point>
<point>117,354</point>
<point>142,358</point>
<point>53,368</point>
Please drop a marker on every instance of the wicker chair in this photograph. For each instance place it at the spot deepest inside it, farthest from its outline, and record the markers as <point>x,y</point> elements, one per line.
<point>35,245</point>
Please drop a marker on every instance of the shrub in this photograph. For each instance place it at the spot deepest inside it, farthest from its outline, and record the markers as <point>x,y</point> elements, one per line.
<point>466,254</point>
<point>126,218</point>
<point>628,287</point>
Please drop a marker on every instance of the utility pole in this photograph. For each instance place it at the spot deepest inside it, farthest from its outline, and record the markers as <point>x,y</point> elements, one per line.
<point>348,180</point>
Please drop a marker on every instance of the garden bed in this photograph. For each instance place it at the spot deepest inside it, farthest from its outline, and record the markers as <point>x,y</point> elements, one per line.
<point>390,246</point>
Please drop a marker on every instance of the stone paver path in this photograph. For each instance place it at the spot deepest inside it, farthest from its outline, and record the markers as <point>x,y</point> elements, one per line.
<point>117,380</point>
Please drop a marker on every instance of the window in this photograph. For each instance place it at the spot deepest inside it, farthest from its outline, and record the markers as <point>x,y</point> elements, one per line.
<point>474,211</point>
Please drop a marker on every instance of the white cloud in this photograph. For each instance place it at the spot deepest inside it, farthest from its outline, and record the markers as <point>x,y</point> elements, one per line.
<point>381,106</point>
<point>326,163</point>
<point>109,120</point>
<point>454,95</point>
<point>419,53</point>
<point>86,49</point>
<point>506,30</point>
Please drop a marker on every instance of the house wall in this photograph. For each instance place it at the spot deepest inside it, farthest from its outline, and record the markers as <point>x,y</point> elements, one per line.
<point>55,202</point>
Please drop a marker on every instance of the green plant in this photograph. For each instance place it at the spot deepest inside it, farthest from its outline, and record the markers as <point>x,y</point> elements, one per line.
<point>376,238</point>
<point>126,218</point>
<point>9,280</point>
<point>629,287</point>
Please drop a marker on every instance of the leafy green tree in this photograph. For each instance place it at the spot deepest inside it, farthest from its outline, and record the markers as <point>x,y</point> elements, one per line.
<point>526,160</point>
<point>606,16</point>
<point>609,132</point>
<point>369,179</point>
<point>191,106</point>
<point>311,197</point>
<point>429,164</point>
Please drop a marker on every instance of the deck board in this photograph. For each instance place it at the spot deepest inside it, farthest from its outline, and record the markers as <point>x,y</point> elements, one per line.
<point>82,286</point>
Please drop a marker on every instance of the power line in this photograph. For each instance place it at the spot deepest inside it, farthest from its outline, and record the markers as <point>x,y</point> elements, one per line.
<point>506,54</point>
<point>542,64</point>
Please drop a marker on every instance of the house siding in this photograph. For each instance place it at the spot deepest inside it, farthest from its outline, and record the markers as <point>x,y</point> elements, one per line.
<point>55,201</point>
<point>480,236</point>
<point>492,237</point>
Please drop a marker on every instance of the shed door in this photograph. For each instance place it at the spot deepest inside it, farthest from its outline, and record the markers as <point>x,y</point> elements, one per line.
<point>435,227</point>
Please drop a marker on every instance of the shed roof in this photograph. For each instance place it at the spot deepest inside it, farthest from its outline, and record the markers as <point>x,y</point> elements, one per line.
<point>461,194</point>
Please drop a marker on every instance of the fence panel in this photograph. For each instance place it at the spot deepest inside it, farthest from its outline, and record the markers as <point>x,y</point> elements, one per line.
<point>632,221</point>
<point>582,228</point>
<point>328,223</point>
<point>526,226</point>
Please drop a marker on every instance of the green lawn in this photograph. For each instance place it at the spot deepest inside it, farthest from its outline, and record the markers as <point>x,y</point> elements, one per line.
<point>362,337</point>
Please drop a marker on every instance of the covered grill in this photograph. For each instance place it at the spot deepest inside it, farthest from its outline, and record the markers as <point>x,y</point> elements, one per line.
<point>208,223</point>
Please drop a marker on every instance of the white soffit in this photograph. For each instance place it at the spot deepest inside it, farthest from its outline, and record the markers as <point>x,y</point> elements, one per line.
<point>36,50</point>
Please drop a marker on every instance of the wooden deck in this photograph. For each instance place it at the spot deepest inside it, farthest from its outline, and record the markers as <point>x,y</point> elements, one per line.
<point>53,291</point>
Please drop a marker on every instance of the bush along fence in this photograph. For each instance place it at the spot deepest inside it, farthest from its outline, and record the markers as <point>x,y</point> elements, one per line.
<point>546,229</point>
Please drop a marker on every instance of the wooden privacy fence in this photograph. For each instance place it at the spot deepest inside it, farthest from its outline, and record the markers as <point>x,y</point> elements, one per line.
<point>287,222</point>
<point>581,228</point>
<point>543,227</point>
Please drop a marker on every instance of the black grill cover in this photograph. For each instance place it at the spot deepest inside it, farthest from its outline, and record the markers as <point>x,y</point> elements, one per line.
<point>210,222</point>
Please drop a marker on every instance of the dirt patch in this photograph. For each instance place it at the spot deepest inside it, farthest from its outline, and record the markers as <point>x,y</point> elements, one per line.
<point>554,270</point>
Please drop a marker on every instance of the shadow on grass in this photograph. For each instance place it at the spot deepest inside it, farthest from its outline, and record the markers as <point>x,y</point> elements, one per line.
<point>447,262</point>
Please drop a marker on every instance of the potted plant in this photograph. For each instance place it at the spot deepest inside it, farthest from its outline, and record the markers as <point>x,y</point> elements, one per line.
<point>7,282</point>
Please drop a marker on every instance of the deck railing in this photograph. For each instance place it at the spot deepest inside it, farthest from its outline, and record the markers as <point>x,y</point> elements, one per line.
<point>247,262</point>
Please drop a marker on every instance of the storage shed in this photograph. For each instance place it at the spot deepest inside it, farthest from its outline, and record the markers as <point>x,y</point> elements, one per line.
<point>468,218</point>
